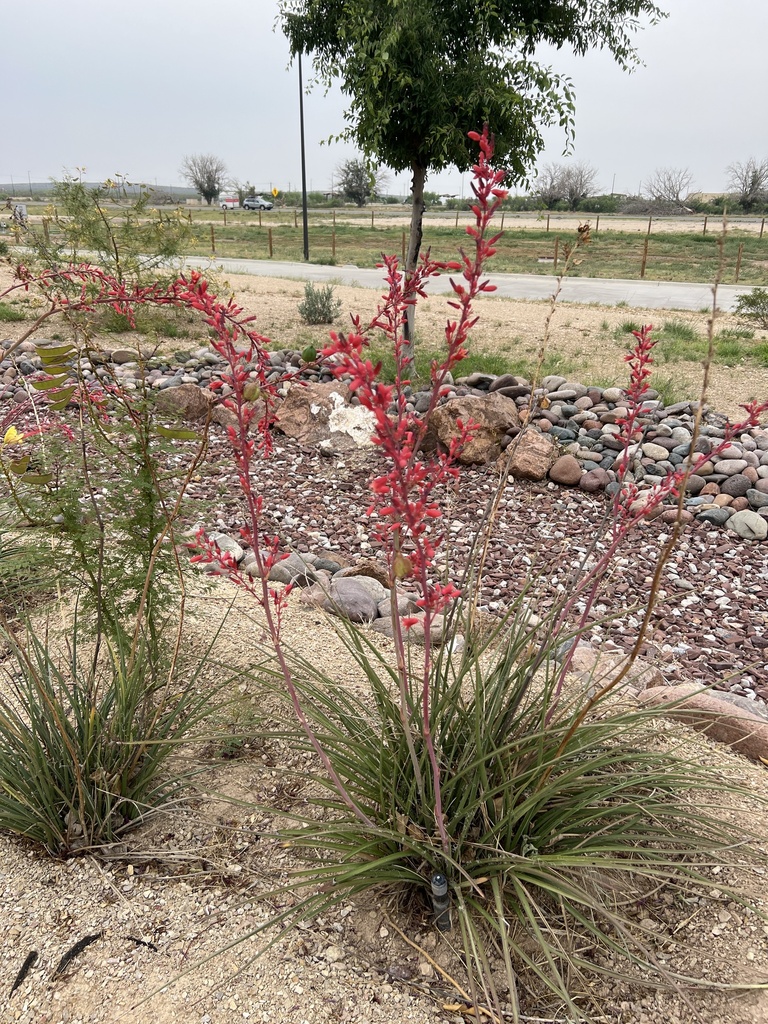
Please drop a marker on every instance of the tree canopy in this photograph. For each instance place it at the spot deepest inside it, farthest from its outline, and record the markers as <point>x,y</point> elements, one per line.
<point>420,74</point>
<point>206,173</point>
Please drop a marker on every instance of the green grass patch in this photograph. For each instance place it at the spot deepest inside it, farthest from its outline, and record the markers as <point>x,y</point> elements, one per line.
<point>9,315</point>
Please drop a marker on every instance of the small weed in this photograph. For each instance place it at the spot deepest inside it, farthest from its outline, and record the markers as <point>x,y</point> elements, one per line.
<point>667,388</point>
<point>679,331</point>
<point>9,315</point>
<point>626,327</point>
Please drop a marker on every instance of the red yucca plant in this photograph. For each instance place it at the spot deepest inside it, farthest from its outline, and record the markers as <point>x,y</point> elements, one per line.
<point>481,787</point>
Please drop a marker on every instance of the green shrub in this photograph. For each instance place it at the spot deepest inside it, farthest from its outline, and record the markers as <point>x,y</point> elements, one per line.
<point>752,308</point>
<point>319,305</point>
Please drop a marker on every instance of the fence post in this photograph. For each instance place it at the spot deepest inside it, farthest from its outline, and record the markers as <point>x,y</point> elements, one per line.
<point>557,250</point>
<point>738,263</point>
<point>333,242</point>
<point>213,239</point>
<point>403,247</point>
<point>502,220</point>
<point>650,221</point>
<point>295,217</point>
<point>762,226</point>
<point>259,218</point>
<point>705,224</point>
<point>225,217</point>
<point>334,217</point>
<point>597,224</point>
<point>45,229</point>
<point>645,257</point>
<point>17,235</point>
<point>457,217</point>
<point>371,216</point>
<point>547,222</point>
<point>189,216</point>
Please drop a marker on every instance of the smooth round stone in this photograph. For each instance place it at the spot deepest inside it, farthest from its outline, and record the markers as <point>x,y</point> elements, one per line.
<point>607,461</point>
<point>732,451</point>
<point>566,470</point>
<point>562,434</point>
<point>566,411</point>
<point>751,474</point>
<point>717,516</point>
<point>669,515</point>
<point>700,499</point>
<point>583,403</point>
<point>676,460</point>
<point>612,394</point>
<point>654,451</point>
<point>695,483</point>
<point>589,465</point>
<point>730,467</point>
<point>762,485</point>
<point>737,486</point>
<point>682,449</point>
<point>681,435</point>
<point>748,525</point>
<point>595,480</point>
<point>553,382</point>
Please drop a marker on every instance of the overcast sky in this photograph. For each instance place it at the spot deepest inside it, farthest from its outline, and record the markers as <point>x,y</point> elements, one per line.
<point>133,88</point>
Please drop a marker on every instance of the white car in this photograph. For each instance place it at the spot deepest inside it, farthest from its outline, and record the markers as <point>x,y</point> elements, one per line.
<point>229,204</point>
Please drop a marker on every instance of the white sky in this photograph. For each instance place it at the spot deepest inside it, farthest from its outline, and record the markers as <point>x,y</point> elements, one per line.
<point>132,88</point>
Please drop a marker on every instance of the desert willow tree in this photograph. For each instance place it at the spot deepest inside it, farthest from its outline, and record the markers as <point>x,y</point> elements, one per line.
<point>419,74</point>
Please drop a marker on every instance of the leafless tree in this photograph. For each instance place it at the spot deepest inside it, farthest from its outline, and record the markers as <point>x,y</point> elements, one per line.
<point>549,186</point>
<point>206,173</point>
<point>749,181</point>
<point>580,182</point>
<point>670,185</point>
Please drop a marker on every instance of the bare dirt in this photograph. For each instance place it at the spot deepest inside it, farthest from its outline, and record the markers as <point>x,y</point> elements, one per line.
<point>175,912</point>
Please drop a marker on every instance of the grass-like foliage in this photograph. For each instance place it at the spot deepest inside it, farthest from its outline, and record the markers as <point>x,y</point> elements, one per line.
<point>558,827</point>
<point>319,305</point>
<point>10,315</point>
<point>85,735</point>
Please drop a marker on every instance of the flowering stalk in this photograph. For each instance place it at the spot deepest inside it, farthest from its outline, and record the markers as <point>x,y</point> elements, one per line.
<point>405,500</point>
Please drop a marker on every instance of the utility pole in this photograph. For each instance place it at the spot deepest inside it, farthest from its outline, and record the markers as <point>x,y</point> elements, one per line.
<point>304,218</point>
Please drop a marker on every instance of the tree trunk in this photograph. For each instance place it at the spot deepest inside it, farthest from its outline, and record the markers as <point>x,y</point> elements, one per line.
<point>414,248</point>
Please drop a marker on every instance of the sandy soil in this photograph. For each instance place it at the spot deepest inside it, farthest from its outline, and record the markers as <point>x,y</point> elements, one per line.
<point>175,910</point>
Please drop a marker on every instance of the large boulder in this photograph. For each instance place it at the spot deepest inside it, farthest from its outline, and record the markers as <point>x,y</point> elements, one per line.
<point>494,416</point>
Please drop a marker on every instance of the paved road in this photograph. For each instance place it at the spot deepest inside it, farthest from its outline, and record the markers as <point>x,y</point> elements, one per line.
<point>607,292</point>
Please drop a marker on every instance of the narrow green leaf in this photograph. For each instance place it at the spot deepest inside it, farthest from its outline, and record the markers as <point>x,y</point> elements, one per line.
<point>49,384</point>
<point>62,398</point>
<point>179,433</point>
<point>20,466</point>
<point>40,479</point>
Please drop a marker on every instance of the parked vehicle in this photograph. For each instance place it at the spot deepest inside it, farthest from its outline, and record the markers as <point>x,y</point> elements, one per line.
<point>257,203</point>
<point>229,204</point>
